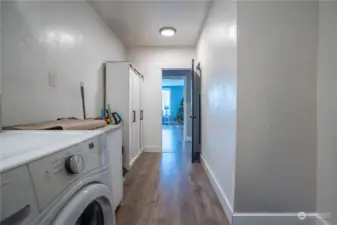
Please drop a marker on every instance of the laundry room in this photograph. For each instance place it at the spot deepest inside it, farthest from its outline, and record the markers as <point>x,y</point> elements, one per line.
<point>168,112</point>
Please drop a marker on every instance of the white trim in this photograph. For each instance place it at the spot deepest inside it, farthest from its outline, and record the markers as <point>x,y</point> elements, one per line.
<point>274,218</point>
<point>227,207</point>
<point>127,167</point>
<point>265,214</point>
<point>152,149</point>
<point>322,221</point>
<point>134,160</point>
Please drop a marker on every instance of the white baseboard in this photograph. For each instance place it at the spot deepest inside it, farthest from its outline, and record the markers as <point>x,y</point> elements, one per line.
<point>152,149</point>
<point>257,218</point>
<point>227,207</point>
<point>274,219</point>
<point>322,221</point>
<point>134,160</point>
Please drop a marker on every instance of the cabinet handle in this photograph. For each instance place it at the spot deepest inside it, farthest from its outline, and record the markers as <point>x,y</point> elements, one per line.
<point>141,115</point>
<point>134,116</point>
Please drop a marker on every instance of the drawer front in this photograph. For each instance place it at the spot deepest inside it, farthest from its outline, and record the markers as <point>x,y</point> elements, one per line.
<point>18,203</point>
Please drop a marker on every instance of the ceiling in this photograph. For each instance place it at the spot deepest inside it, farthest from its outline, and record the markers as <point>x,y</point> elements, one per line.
<point>137,23</point>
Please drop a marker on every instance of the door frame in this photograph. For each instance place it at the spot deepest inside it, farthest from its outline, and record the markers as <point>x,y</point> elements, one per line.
<point>187,110</point>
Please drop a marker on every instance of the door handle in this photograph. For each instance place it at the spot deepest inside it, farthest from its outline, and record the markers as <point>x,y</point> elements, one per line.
<point>141,115</point>
<point>134,116</point>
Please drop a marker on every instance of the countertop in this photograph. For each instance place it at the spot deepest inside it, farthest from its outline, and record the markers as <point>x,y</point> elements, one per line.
<point>21,147</point>
<point>110,128</point>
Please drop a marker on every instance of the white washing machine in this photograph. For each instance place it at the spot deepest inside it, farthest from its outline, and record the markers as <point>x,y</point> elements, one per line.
<point>55,178</point>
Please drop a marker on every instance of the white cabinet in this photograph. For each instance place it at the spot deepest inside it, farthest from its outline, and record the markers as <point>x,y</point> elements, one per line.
<point>114,147</point>
<point>141,94</point>
<point>124,86</point>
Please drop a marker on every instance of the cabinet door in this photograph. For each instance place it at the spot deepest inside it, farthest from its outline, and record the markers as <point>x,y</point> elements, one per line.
<point>135,114</point>
<point>142,114</point>
<point>137,107</point>
<point>128,154</point>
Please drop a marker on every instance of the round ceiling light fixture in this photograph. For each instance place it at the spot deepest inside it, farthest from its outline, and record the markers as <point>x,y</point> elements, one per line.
<point>168,31</point>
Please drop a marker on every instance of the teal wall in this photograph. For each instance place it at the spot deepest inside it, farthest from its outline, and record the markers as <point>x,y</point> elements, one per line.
<point>177,93</point>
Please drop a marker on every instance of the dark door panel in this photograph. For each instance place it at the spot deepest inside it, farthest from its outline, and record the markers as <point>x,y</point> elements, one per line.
<point>196,115</point>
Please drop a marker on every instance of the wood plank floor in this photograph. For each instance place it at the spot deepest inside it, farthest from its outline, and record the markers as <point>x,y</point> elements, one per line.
<point>166,189</point>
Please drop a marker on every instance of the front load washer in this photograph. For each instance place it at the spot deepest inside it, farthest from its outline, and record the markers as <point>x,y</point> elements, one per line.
<point>71,182</point>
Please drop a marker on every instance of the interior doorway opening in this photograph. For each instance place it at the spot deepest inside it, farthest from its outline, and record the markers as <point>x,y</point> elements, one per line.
<point>176,107</point>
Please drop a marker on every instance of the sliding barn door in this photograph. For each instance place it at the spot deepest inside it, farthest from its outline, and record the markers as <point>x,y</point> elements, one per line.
<point>141,135</point>
<point>136,114</point>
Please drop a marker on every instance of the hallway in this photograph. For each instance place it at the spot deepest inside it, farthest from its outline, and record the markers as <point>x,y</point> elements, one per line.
<point>173,139</point>
<point>166,189</point>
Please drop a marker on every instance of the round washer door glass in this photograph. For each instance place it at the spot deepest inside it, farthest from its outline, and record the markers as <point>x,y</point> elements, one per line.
<point>92,215</point>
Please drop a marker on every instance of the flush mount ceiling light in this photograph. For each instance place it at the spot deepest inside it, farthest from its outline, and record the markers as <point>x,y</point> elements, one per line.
<point>168,31</point>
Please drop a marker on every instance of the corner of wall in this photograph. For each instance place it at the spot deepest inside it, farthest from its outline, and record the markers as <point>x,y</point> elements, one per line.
<point>321,221</point>
<point>217,53</point>
<point>226,205</point>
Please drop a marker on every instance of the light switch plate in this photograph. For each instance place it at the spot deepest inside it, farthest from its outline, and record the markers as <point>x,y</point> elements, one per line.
<point>52,79</point>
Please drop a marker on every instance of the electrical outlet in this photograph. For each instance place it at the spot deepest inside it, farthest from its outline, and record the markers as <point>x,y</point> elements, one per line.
<point>52,79</point>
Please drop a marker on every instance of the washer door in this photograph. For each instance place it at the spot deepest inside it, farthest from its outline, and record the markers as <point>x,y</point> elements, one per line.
<point>92,215</point>
<point>90,206</point>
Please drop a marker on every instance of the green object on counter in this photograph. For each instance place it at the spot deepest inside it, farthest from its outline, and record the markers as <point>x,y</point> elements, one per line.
<point>109,113</point>
<point>109,110</point>
<point>124,179</point>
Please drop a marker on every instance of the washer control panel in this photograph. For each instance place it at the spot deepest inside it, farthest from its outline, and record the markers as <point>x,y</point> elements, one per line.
<point>74,164</point>
<point>54,173</point>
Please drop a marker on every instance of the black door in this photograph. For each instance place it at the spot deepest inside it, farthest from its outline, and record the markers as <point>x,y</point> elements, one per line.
<point>196,114</point>
<point>92,215</point>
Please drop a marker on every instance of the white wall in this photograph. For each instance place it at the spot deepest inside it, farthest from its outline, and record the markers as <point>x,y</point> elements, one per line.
<point>276,137</point>
<point>327,111</point>
<point>150,61</point>
<point>62,38</point>
<point>0,69</point>
<point>217,53</point>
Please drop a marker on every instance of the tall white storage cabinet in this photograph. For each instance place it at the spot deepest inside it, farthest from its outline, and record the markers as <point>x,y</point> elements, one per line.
<point>142,114</point>
<point>124,86</point>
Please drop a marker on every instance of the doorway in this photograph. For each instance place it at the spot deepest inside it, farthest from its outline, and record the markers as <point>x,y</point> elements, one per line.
<point>176,106</point>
